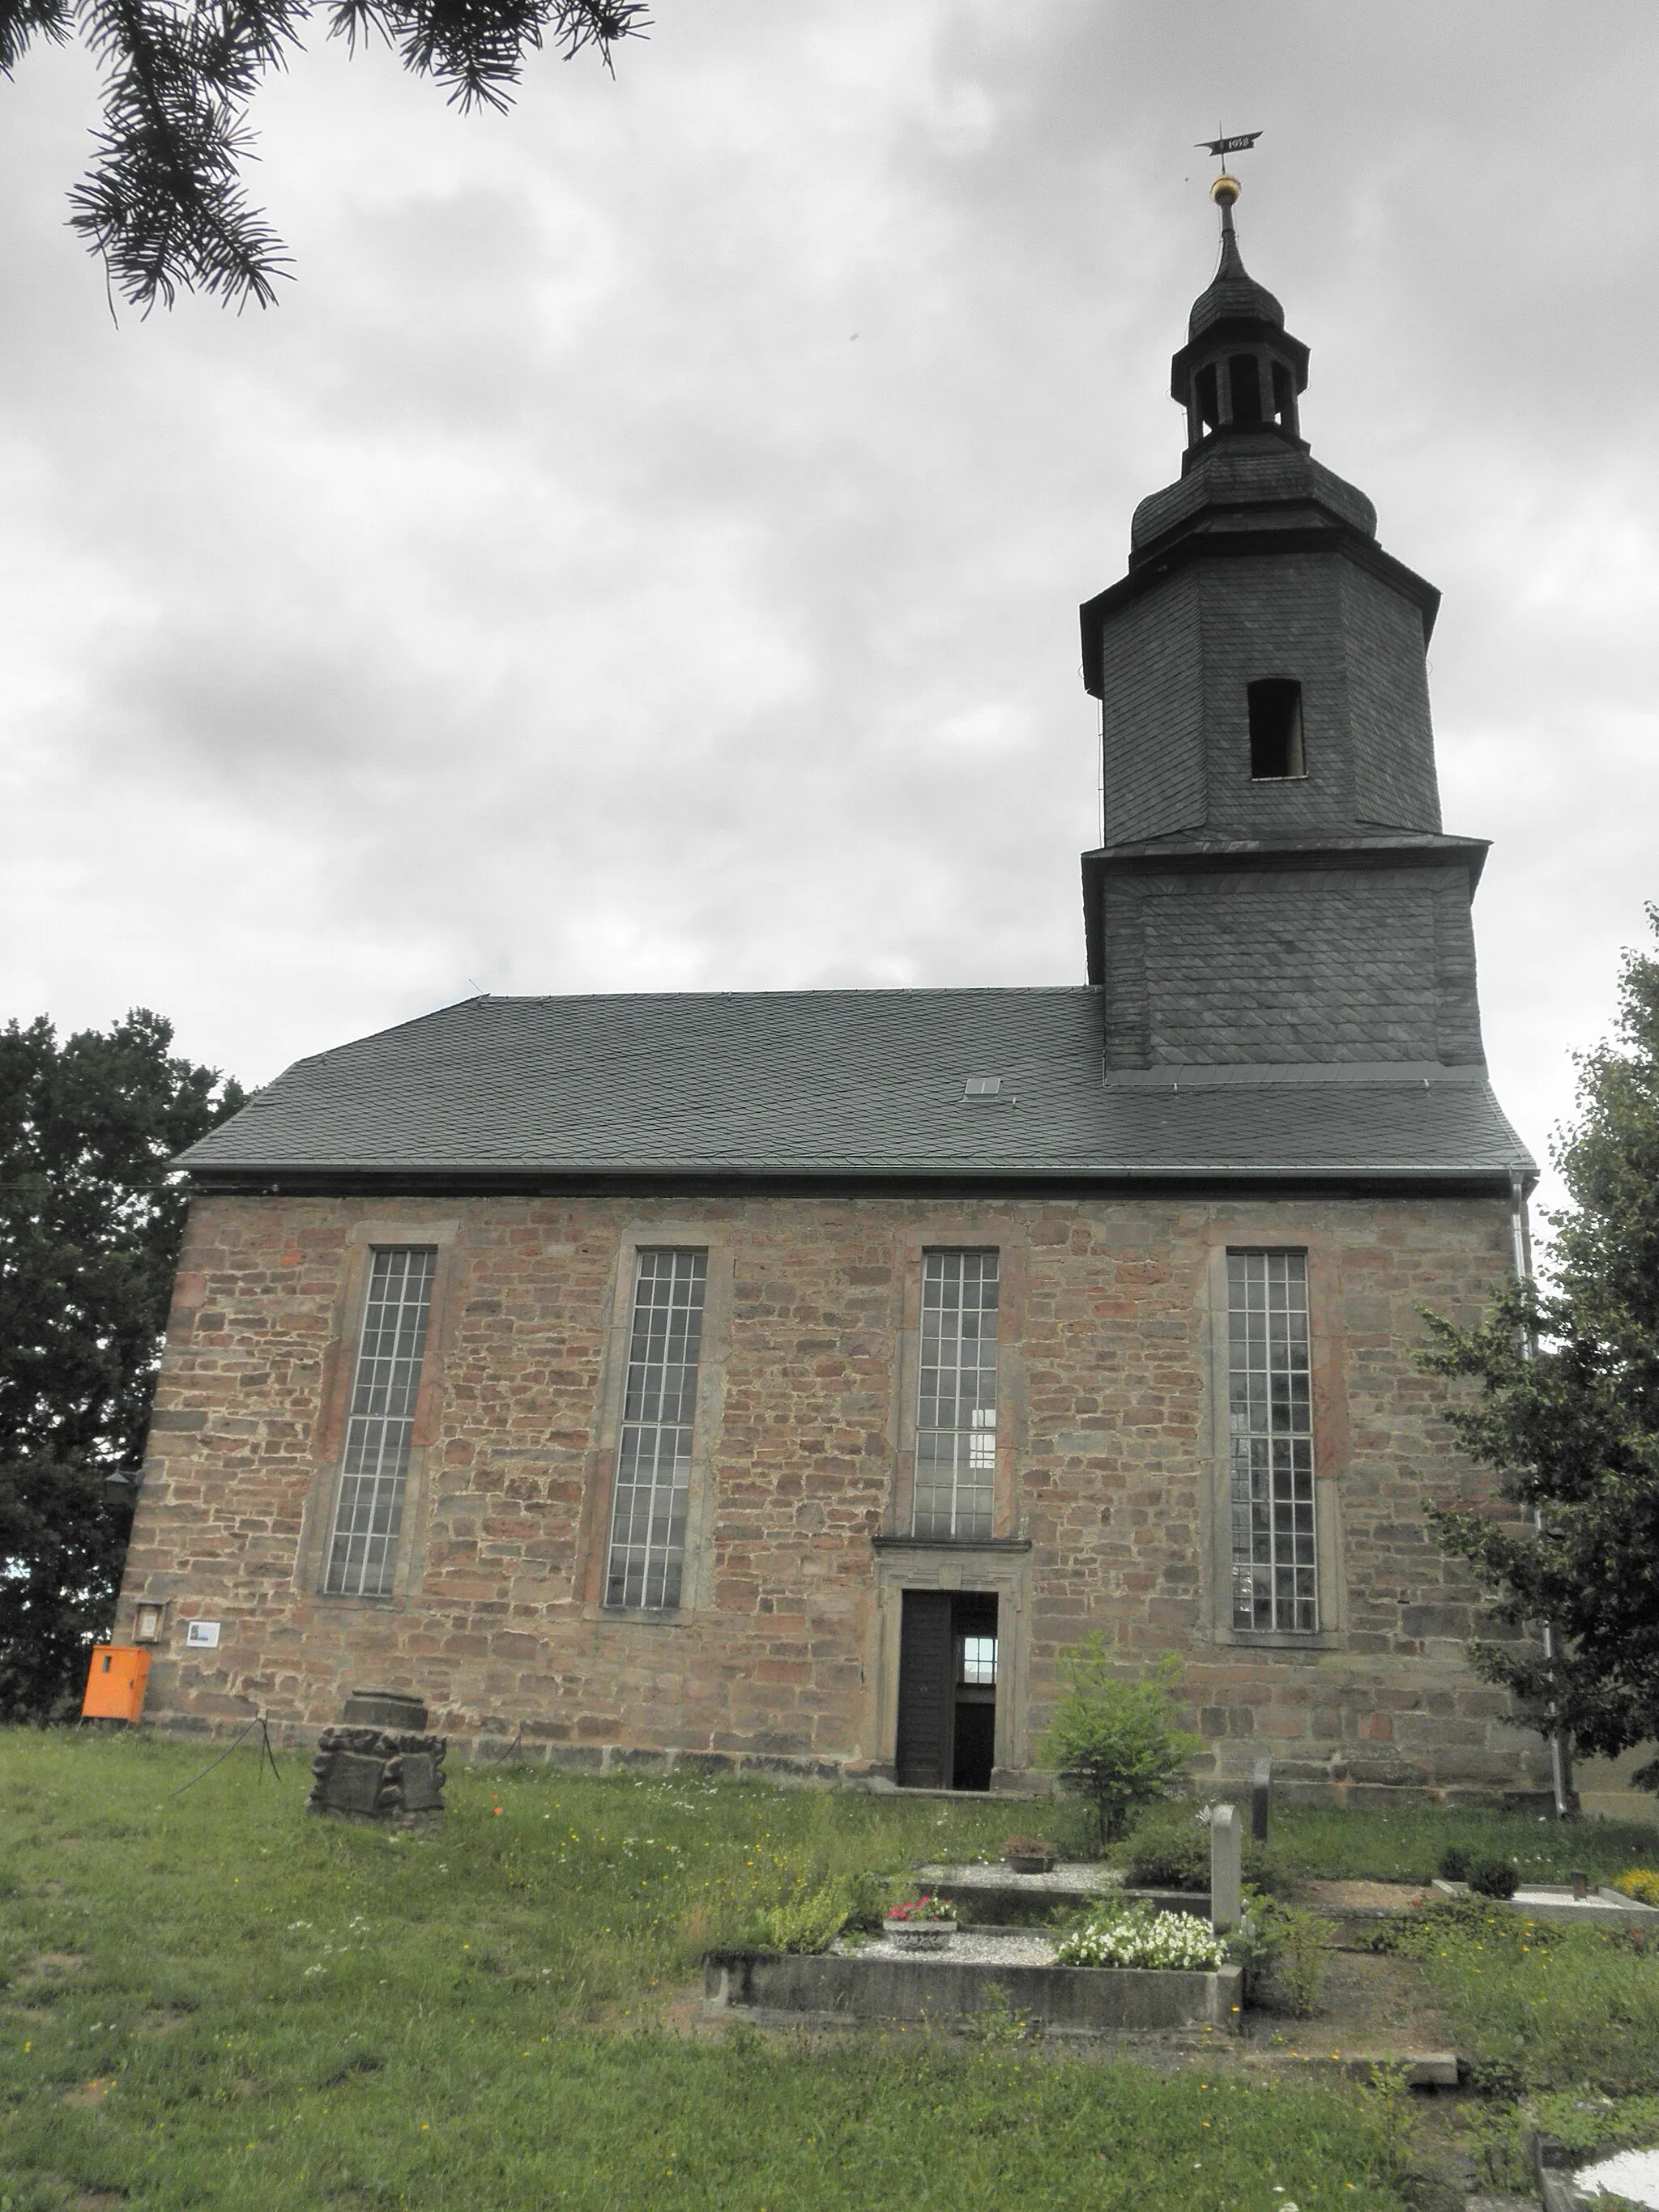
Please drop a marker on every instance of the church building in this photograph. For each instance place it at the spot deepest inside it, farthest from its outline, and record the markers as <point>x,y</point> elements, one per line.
<point>779,1382</point>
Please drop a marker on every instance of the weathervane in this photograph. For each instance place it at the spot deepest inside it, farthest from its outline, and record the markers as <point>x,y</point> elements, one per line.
<point>1224,191</point>
<point>1221,147</point>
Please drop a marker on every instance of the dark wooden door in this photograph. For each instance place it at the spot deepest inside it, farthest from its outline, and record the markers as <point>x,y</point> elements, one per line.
<point>926,1691</point>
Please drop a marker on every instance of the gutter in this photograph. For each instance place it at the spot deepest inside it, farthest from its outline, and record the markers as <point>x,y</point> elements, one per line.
<point>1520,1238</point>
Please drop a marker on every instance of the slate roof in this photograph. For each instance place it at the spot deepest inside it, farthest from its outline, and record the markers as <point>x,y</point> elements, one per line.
<point>855,1084</point>
<point>1232,294</point>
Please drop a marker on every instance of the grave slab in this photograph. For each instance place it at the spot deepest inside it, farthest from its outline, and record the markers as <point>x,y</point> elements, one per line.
<point>1065,2001</point>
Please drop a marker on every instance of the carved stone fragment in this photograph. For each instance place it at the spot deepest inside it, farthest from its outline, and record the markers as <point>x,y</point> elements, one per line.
<point>392,1777</point>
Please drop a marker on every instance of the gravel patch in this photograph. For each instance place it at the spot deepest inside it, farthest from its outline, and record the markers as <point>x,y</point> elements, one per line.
<point>1065,1881</point>
<point>970,1946</point>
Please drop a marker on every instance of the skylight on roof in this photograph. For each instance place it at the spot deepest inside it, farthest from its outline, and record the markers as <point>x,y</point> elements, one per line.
<point>988,1091</point>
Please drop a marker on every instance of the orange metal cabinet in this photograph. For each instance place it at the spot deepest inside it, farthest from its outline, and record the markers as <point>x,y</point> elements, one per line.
<point>115,1686</point>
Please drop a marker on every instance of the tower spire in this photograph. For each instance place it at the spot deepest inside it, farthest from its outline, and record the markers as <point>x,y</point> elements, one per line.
<point>1240,369</point>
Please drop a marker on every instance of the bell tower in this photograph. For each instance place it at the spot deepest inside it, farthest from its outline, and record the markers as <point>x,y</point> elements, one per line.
<point>1274,892</point>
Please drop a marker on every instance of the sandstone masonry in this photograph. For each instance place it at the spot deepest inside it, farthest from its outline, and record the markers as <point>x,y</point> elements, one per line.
<point>783,1654</point>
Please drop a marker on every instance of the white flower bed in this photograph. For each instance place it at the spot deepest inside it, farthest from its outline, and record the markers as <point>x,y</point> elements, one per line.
<point>1137,1935</point>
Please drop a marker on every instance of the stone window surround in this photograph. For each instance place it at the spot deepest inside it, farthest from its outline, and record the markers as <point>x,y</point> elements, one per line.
<point>959,1232</point>
<point>1280,1232</point>
<point>339,1373</point>
<point>697,1575</point>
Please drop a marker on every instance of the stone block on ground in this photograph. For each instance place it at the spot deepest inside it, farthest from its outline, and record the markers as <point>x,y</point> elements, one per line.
<point>1226,1868</point>
<point>1262,1784</point>
<point>372,1770</point>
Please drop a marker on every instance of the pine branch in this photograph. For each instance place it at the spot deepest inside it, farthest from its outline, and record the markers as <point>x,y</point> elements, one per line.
<point>23,20</point>
<point>164,201</point>
<point>477,47</point>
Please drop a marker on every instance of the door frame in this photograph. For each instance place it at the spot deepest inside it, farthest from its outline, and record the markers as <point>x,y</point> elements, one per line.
<point>1001,1570</point>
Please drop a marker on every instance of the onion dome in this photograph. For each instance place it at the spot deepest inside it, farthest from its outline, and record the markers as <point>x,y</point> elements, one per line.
<point>1234,295</point>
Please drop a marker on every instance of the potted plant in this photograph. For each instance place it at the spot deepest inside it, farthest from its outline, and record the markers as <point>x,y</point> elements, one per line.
<point>920,1923</point>
<point>1030,1855</point>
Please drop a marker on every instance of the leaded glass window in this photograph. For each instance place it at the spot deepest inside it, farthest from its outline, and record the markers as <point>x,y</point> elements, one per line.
<point>364,1549</point>
<point>956,1410</point>
<point>653,1460</point>
<point>1270,1443</point>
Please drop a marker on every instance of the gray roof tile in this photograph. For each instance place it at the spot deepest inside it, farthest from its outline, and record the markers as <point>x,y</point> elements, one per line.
<point>851,1084</point>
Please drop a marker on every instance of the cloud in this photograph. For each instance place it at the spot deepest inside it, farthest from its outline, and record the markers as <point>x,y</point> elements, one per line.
<point>643,548</point>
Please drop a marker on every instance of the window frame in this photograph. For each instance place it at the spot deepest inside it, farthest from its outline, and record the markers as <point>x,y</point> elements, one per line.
<point>670,1233</point>
<point>1288,1444</point>
<point>663,1564</point>
<point>364,1237</point>
<point>1279,693</point>
<point>1326,1355</point>
<point>948,1231</point>
<point>975,1431</point>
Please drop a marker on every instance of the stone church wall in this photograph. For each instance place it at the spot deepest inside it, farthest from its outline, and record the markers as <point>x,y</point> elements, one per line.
<point>1111,1443</point>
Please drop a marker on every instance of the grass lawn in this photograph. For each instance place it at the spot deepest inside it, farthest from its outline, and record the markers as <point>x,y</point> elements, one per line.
<point>1325,1842</point>
<point>1560,2026</point>
<point>210,1999</point>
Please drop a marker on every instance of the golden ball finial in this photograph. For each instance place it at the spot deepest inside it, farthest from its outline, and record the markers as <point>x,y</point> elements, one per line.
<point>1225,191</point>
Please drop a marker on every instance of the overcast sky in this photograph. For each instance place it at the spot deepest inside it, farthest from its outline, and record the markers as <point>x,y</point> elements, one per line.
<point>642,550</point>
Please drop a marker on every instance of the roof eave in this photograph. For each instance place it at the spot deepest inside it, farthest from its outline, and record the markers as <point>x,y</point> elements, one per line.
<point>1156,566</point>
<point>296,1179</point>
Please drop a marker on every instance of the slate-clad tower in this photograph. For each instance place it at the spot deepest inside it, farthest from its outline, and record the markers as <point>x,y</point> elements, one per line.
<point>1274,893</point>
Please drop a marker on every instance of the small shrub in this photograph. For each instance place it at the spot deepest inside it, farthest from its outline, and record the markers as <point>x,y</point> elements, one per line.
<point>1455,1864</point>
<point>1113,1741</point>
<point>1497,2069</point>
<point>1640,1882</point>
<point>810,1922</point>
<point>1170,1849</point>
<point>1136,1936</point>
<point>1288,1952</point>
<point>997,2024</point>
<point>1494,1878</point>
<point>867,1894</point>
<point>1592,2126</point>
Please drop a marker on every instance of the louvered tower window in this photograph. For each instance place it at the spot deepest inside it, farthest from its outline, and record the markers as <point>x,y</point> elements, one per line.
<point>653,1460</point>
<point>957,1408</point>
<point>1270,1444</point>
<point>363,1551</point>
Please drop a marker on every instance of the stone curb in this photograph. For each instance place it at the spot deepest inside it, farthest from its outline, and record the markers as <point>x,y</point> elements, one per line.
<point>1083,2001</point>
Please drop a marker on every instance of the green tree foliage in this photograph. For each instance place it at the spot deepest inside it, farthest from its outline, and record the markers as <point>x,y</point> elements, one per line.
<point>90,1221</point>
<point>1112,1740</point>
<point>1575,1429</point>
<point>164,202</point>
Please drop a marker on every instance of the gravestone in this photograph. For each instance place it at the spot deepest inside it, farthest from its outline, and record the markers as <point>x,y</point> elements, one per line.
<point>380,1766</point>
<point>1262,1784</point>
<point>1226,1868</point>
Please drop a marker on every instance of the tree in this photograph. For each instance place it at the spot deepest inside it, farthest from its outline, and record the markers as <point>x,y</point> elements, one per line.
<point>1568,1412</point>
<point>164,202</point>
<point>1113,1740</point>
<point>90,1220</point>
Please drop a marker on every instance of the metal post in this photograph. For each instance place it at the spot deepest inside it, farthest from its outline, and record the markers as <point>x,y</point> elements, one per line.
<point>1522,1272</point>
